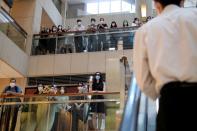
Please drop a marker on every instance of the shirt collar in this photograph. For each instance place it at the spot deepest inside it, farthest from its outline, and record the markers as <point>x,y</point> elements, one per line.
<point>170,8</point>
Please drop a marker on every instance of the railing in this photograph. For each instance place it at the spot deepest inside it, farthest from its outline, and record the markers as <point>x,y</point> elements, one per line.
<point>137,114</point>
<point>12,30</point>
<point>83,41</point>
<point>68,112</point>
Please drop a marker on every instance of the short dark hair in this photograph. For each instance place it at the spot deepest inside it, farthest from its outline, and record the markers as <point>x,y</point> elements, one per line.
<point>168,2</point>
<point>102,19</point>
<point>78,20</point>
<point>13,79</point>
<point>92,19</point>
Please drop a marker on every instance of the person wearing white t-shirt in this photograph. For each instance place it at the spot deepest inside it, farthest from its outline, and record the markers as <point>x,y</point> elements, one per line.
<point>79,39</point>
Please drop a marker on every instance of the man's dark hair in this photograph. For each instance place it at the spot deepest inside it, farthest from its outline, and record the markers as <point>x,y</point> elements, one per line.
<point>101,19</point>
<point>92,19</point>
<point>13,79</point>
<point>78,20</point>
<point>168,2</point>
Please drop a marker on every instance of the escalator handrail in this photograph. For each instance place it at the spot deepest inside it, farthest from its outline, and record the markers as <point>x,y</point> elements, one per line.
<point>130,116</point>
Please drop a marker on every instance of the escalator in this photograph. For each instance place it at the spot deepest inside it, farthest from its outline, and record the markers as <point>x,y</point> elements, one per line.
<point>139,112</point>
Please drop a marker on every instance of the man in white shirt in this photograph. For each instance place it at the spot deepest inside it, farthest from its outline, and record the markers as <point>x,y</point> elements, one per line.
<point>79,39</point>
<point>165,64</point>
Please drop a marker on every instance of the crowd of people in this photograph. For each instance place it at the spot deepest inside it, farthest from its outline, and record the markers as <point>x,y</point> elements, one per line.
<point>95,112</point>
<point>95,39</point>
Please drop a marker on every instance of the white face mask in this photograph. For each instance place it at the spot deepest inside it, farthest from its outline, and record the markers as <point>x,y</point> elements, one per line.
<point>102,21</point>
<point>80,89</point>
<point>54,29</point>
<point>98,77</point>
<point>93,22</point>
<point>40,88</point>
<point>79,23</point>
<point>12,84</point>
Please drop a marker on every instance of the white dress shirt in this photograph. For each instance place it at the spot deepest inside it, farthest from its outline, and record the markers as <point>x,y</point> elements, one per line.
<point>79,28</point>
<point>165,50</point>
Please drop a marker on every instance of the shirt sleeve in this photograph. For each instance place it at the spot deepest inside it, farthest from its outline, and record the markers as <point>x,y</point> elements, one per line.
<point>141,67</point>
<point>19,90</point>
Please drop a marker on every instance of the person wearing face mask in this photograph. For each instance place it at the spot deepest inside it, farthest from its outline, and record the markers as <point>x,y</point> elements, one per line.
<point>114,37</point>
<point>9,113</point>
<point>125,23</point>
<point>165,61</point>
<point>98,109</point>
<point>92,39</point>
<point>79,39</point>
<point>102,42</point>
<point>136,22</point>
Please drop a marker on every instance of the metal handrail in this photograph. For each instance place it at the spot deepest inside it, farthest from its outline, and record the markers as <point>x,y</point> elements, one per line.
<point>59,35</point>
<point>130,116</point>
<point>59,95</point>
<point>60,102</point>
<point>133,28</point>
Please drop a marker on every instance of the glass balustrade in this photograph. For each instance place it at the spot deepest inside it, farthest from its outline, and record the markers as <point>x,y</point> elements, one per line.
<point>12,30</point>
<point>78,42</point>
<point>68,112</point>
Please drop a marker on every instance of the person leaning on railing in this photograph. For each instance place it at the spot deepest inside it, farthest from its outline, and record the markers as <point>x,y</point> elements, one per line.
<point>8,116</point>
<point>98,108</point>
<point>79,39</point>
<point>102,42</point>
<point>92,39</point>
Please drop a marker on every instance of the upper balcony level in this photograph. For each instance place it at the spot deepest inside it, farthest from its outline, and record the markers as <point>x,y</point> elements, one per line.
<point>83,41</point>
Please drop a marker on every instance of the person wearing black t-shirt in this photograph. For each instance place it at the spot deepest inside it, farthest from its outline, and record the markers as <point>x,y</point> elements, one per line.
<point>102,42</point>
<point>98,109</point>
<point>92,39</point>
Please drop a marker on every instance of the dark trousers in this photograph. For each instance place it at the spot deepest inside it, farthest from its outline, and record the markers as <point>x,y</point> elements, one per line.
<point>178,107</point>
<point>79,44</point>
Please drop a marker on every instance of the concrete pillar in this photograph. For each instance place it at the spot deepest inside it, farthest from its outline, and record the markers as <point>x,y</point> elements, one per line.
<point>147,4</point>
<point>115,78</point>
<point>64,11</point>
<point>138,8</point>
<point>149,7</point>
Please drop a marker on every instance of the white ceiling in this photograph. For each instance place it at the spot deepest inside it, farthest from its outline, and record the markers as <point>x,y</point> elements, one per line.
<point>7,71</point>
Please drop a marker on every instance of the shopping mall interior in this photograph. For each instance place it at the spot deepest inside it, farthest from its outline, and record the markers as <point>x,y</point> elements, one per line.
<point>71,63</point>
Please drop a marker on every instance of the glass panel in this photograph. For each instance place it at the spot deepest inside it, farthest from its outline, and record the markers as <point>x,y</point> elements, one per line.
<point>92,8</point>
<point>115,6</point>
<point>65,45</point>
<point>78,42</point>
<point>61,113</point>
<point>190,3</point>
<point>104,6</point>
<point>126,6</point>
<point>12,30</point>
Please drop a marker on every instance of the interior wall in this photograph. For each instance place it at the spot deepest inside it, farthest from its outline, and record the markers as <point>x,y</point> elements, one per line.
<point>46,20</point>
<point>74,63</point>
<point>72,11</point>
<point>28,13</point>
<point>4,5</point>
